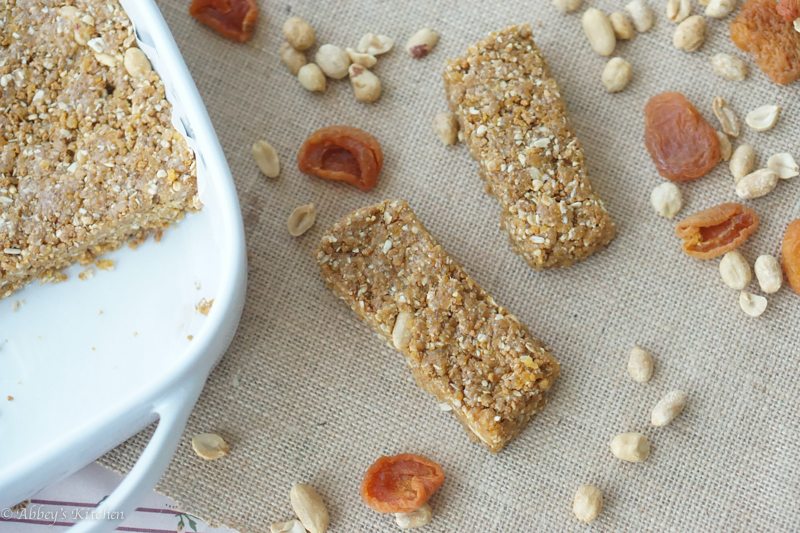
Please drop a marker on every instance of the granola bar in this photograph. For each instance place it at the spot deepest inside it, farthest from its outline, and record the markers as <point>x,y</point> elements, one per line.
<point>515,124</point>
<point>462,347</point>
<point>89,158</point>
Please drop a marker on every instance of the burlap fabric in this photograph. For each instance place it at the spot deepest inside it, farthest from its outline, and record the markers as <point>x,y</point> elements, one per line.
<point>307,392</point>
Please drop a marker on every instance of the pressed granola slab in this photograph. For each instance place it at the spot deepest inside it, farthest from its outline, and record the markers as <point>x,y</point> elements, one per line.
<point>89,158</point>
<point>515,124</point>
<point>462,347</point>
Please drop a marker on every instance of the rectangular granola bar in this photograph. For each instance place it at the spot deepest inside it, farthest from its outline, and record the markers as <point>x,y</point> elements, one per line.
<point>89,158</point>
<point>462,347</point>
<point>515,125</point>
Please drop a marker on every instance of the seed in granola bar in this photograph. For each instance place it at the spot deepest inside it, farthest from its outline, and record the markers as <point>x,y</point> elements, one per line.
<point>401,483</point>
<point>233,19</point>
<point>136,63</point>
<point>761,30</point>
<point>342,153</point>
<point>714,231</point>
<point>681,143</point>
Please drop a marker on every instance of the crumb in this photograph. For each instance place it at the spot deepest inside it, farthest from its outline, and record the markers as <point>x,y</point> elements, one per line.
<point>99,312</point>
<point>10,398</point>
<point>87,273</point>
<point>94,349</point>
<point>204,306</point>
<point>197,285</point>
<point>189,337</point>
<point>17,304</point>
<point>135,333</point>
<point>105,264</point>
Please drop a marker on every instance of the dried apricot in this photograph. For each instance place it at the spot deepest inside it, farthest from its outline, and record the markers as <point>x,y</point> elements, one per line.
<point>681,143</point>
<point>401,483</point>
<point>233,19</point>
<point>717,230</point>
<point>788,9</point>
<point>760,29</point>
<point>790,255</point>
<point>342,153</point>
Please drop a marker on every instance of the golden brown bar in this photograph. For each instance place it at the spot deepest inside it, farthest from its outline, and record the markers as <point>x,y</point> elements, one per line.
<point>462,347</point>
<point>89,158</point>
<point>515,125</point>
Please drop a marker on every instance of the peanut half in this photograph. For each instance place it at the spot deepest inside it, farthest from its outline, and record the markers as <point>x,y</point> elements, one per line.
<point>735,270</point>
<point>769,274</point>
<point>640,365</point>
<point>414,519</point>
<point>599,31</point>
<point>667,408</point>
<point>631,447</point>
<point>641,14</point>
<point>588,503</point>
<point>690,34</point>
<point>309,508</point>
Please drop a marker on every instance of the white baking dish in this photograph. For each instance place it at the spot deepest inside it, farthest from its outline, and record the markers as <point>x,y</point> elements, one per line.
<point>90,363</point>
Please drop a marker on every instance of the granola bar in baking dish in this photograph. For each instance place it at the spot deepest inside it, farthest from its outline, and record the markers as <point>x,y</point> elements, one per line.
<point>515,124</point>
<point>462,347</point>
<point>89,158</point>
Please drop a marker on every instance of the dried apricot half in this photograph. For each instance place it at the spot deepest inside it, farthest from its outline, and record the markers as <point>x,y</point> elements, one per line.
<point>401,483</point>
<point>233,19</point>
<point>717,230</point>
<point>762,29</point>
<point>681,143</point>
<point>790,255</point>
<point>342,153</point>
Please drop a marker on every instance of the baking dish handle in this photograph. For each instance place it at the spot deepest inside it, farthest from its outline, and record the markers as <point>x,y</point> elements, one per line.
<point>142,478</point>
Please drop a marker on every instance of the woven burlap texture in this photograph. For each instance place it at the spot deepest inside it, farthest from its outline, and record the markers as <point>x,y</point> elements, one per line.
<point>307,393</point>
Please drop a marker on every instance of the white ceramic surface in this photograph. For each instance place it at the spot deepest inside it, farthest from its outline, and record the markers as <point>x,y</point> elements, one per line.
<point>89,363</point>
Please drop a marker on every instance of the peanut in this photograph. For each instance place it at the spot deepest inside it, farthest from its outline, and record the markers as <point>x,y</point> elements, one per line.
<point>631,447</point>
<point>333,61</point>
<point>667,408</point>
<point>640,365</point>
<point>735,270</point>
<point>309,508</point>
<point>690,34</point>
<point>757,184</point>
<point>599,31</point>
<point>753,305</point>
<point>623,27</point>
<point>299,33</point>
<point>616,74</point>
<point>588,503</point>
<point>769,274</point>
<point>742,161</point>
<point>641,14</point>
<point>763,118</point>
<point>666,199</point>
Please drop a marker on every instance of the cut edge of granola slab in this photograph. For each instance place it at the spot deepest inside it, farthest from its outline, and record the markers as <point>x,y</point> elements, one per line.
<point>89,158</point>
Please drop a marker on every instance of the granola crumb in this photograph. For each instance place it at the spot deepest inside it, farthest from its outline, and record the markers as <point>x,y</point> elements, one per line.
<point>17,305</point>
<point>104,264</point>
<point>204,306</point>
<point>189,337</point>
<point>10,398</point>
<point>85,274</point>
